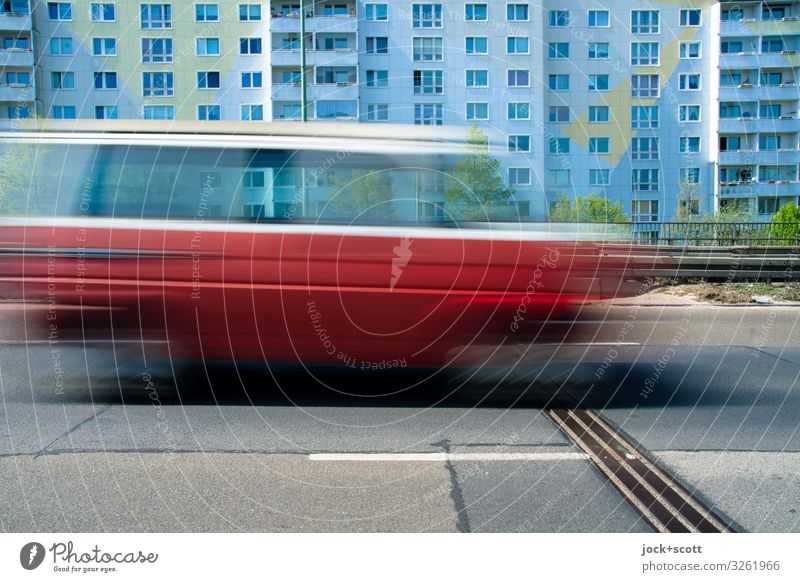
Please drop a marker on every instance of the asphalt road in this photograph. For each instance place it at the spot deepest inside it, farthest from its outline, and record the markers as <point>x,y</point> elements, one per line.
<point>713,393</point>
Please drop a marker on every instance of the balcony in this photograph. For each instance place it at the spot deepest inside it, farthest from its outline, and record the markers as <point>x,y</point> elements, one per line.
<point>285,91</point>
<point>16,93</point>
<point>16,58</point>
<point>339,23</point>
<point>339,57</point>
<point>788,156</point>
<point>749,189</point>
<point>750,26</point>
<point>751,92</point>
<point>10,21</point>
<point>315,91</point>
<point>342,91</point>
<point>738,125</point>
<point>743,157</point>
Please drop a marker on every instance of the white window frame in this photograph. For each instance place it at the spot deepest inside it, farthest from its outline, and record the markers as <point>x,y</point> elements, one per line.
<point>589,19</point>
<point>474,103</point>
<point>516,170</point>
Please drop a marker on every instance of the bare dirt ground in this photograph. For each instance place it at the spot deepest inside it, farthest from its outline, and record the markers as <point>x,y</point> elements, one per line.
<point>731,293</point>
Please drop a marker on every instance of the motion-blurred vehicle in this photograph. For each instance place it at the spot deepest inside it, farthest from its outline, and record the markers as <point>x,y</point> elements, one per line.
<point>314,244</point>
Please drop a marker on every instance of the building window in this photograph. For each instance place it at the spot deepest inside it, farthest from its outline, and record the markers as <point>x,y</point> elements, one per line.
<point>558,114</point>
<point>598,19</point>
<point>159,112</point>
<point>644,22</point>
<point>59,10</point>
<point>772,44</point>
<point>559,145</point>
<point>249,46</point>
<point>62,80</point>
<point>156,16</point>
<point>558,50</point>
<point>477,111</point>
<point>106,112</point>
<point>645,180</point>
<point>644,148</point>
<point>426,15</point>
<point>60,46</point>
<point>765,111</point>
<point>690,50</point>
<point>477,45</point>
<point>428,83</point>
<point>18,78</point>
<point>689,175</point>
<point>104,47</point>
<point>518,111</point>
<point>690,17</point>
<point>768,205</point>
<point>558,18</point>
<point>377,45</point>
<point>599,178</point>
<point>690,145</point>
<point>519,143</point>
<point>428,114</point>
<point>519,176</point>
<point>598,82</point>
<point>249,12</point>
<point>158,84</point>
<point>768,79</point>
<point>427,48</point>
<point>519,78</point>
<point>644,117</point>
<point>474,12</point>
<point>644,210</point>
<point>644,53</point>
<point>598,114</point>
<point>517,45</point>
<point>732,15</point>
<point>206,12</point>
<point>689,82</point>
<point>208,112</point>
<point>103,12</point>
<point>156,50</point>
<point>599,145</point>
<point>19,112</point>
<point>689,113</point>
<point>207,47</point>
<point>644,86</point>
<point>598,50</point>
<point>208,80</point>
<point>251,80</point>
<point>105,80</point>
<point>477,78</point>
<point>516,12</point>
<point>377,12</point>
<point>378,112</point>
<point>377,78</point>
<point>63,112</point>
<point>253,179</point>
<point>558,177</point>
<point>252,112</point>
<point>769,142</point>
<point>558,82</point>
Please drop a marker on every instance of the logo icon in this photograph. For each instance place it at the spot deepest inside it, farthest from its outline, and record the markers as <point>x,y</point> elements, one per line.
<point>402,254</point>
<point>31,555</point>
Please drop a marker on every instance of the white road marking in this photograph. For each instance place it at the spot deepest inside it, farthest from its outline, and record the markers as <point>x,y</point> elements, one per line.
<point>443,457</point>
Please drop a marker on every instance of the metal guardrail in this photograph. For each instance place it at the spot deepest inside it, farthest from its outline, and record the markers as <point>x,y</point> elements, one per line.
<point>719,234</point>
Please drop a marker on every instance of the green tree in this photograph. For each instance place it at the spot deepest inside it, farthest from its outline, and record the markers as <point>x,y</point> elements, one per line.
<point>24,171</point>
<point>475,189</point>
<point>592,208</point>
<point>688,201</point>
<point>363,196</point>
<point>785,225</point>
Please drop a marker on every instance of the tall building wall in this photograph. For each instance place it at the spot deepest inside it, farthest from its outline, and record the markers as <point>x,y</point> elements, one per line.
<point>585,97</point>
